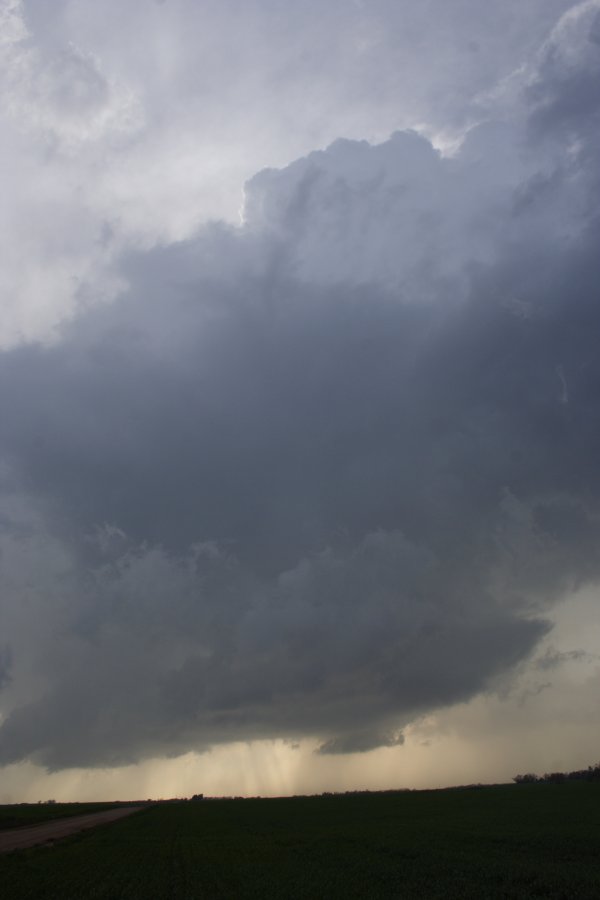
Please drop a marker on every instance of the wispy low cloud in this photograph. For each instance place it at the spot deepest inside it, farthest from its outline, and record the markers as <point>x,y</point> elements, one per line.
<point>322,474</point>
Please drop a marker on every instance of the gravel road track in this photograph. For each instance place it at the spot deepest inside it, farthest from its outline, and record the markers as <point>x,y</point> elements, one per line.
<point>48,832</point>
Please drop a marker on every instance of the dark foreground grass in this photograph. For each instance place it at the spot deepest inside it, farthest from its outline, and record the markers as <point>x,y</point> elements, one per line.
<point>13,816</point>
<point>506,841</point>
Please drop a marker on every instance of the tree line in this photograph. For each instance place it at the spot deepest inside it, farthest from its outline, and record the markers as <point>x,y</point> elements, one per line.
<point>592,773</point>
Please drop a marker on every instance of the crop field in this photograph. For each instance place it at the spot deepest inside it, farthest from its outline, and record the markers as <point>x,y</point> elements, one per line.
<point>508,841</point>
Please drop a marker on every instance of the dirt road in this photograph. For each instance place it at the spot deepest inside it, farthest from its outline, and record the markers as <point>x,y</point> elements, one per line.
<point>48,832</point>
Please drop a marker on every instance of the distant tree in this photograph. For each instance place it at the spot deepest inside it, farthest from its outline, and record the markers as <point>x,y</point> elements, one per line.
<point>555,777</point>
<point>528,778</point>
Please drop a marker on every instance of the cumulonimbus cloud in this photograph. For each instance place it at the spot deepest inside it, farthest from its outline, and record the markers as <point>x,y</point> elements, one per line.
<point>323,473</point>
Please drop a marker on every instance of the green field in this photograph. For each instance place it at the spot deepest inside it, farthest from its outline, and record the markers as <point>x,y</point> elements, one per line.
<point>506,841</point>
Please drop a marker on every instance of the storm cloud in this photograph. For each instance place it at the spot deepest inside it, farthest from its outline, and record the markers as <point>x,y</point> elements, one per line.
<point>324,472</point>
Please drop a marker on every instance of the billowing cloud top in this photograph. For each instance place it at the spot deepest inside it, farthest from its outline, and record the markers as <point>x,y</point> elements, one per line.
<point>324,472</point>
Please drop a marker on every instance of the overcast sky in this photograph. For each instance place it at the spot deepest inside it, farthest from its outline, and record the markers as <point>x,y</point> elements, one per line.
<point>299,394</point>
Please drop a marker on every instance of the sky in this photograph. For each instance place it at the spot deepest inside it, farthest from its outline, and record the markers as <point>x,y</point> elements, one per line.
<point>299,395</point>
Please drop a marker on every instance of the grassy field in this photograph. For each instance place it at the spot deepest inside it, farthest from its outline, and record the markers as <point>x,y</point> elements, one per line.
<point>506,841</point>
<point>33,813</point>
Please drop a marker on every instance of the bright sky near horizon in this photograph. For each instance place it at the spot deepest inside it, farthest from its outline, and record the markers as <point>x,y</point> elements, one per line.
<point>299,394</point>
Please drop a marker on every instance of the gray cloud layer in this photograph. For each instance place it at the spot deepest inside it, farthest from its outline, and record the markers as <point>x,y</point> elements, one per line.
<point>127,125</point>
<point>323,473</point>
